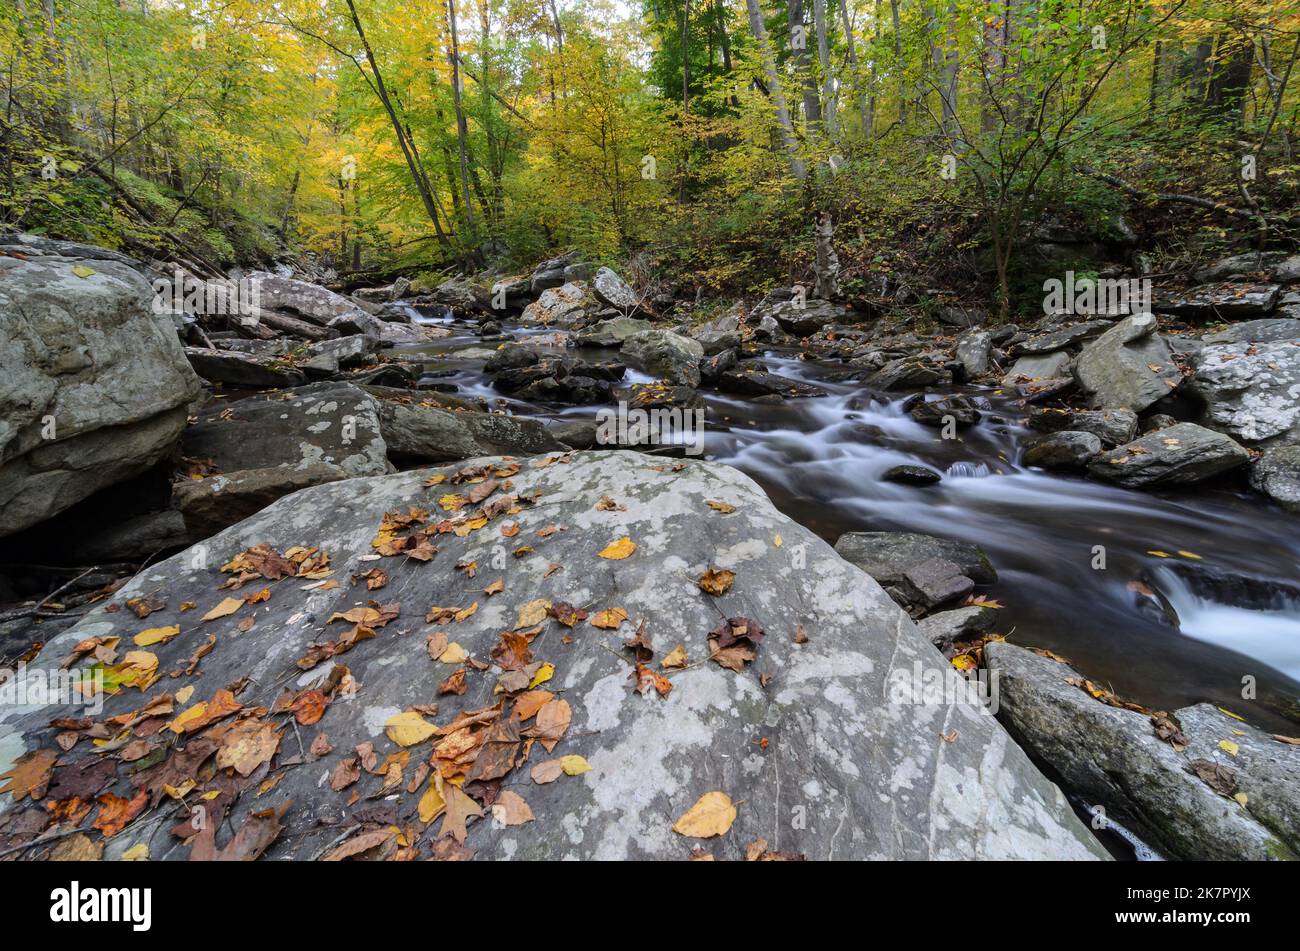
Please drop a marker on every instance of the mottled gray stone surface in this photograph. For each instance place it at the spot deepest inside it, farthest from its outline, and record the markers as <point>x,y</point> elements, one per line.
<point>1251,390</point>
<point>94,385</point>
<point>1129,366</point>
<point>854,766</point>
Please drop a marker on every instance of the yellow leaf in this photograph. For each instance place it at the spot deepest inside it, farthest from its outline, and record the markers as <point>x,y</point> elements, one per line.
<point>1229,747</point>
<point>1189,554</point>
<point>533,613</point>
<point>454,654</point>
<point>431,803</point>
<point>408,728</point>
<point>185,717</point>
<point>609,619</point>
<point>82,271</point>
<point>1231,714</point>
<point>227,606</point>
<point>617,551</point>
<point>156,635</point>
<point>777,541</point>
<point>964,662</point>
<point>711,815</point>
<point>676,658</point>
<point>1159,554</point>
<point>136,853</point>
<point>1242,799</point>
<point>574,765</point>
<point>183,695</point>
<point>544,673</point>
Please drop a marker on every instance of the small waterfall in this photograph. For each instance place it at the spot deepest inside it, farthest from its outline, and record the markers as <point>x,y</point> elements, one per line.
<point>967,470</point>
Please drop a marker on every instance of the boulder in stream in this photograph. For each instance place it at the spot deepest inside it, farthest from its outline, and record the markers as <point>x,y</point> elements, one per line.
<point>1178,455</point>
<point>545,738</point>
<point>1251,391</point>
<point>1129,366</point>
<point>1180,800</point>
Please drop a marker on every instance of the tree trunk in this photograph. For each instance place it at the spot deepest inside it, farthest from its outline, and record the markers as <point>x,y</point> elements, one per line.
<point>829,118</point>
<point>797,168</point>
<point>462,129</point>
<point>812,108</point>
<point>827,265</point>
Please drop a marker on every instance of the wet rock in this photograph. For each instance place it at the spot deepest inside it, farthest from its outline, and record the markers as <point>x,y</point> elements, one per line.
<point>1129,366</point>
<point>1266,330</point>
<point>136,538</point>
<point>958,624</point>
<point>933,582</point>
<point>1270,263</point>
<point>1251,391</point>
<point>1113,758</point>
<point>511,356</point>
<point>1060,339</point>
<point>718,335</point>
<point>972,350</point>
<point>346,351</point>
<point>1225,301</point>
<point>1178,455</point>
<point>907,373</point>
<point>612,291</point>
<point>1113,427</point>
<point>416,433</point>
<point>550,274</point>
<point>612,333</point>
<point>95,386</point>
<point>670,356</point>
<point>959,410</point>
<point>712,368</point>
<point>1062,450</point>
<point>889,556</point>
<point>576,435</point>
<point>1051,366</point>
<point>912,475</point>
<point>245,371</point>
<point>810,316</point>
<point>1157,422</point>
<point>1277,474</point>
<point>845,710</point>
<point>751,378</point>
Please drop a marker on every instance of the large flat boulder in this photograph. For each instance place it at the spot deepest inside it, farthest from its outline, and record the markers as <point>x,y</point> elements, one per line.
<point>669,356</point>
<point>95,385</point>
<point>1129,366</point>
<point>1176,455</point>
<point>1180,800</point>
<point>1251,390</point>
<point>819,732</point>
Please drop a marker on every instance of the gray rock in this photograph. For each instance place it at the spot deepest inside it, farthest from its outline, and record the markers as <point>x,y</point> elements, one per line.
<point>95,386</point>
<point>1113,758</point>
<point>1178,455</point>
<point>1265,330</point>
<point>712,368</point>
<point>1156,422</point>
<point>1129,366</point>
<point>1113,427</point>
<point>912,475</point>
<point>972,350</point>
<point>1051,366</point>
<point>1251,391</point>
<point>564,306</point>
<point>309,301</point>
<point>511,356</point>
<point>808,318</point>
<point>612,332</point>
<point>719,335</point>
<point>959,624</point>
<point>462,294</point>
<point>347,351</point>
<point>430,434</point>
<point>1237,265</point>
<point>612,291</point>
<point>906,373</point>
<point>1277,474</point>
<point>332,423</point>
<point>577,435</point>
<point>1224,301</point>
<point>889,556</point>
<point>961,315</point>
<point>855,737</point>
<point>244,371</point>
<point>934,582</point>
<point>960,410</point>
<point>751,378</point>
<point>1062,450</point>
<point>550,274</point>
<point>669,356</point>
<point>208,505</point>
<point>1060,339</point>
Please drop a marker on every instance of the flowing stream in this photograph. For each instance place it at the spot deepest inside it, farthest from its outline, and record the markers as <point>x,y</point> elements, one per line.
<point>1199,588</point>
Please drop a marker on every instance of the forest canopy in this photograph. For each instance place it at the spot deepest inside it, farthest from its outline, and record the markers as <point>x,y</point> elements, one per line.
<point>436,135</point>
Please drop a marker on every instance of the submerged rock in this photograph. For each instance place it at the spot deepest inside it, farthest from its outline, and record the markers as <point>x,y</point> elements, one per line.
<point>889,557</point>
<point>854,743</point>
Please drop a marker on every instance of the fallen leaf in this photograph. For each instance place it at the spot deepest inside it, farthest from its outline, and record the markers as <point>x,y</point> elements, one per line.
<point>226,607</point>
<point>716,581</point>
<point>712,814</point>
<point>408,728</point>
<point>511,810</point>
<point>618,550</point>
<point>574,765</point>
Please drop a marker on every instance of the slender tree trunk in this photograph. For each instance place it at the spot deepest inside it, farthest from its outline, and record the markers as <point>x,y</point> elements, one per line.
<point>829,118</point>
<point>797,167</point>
<point>421,183</point>
<point>898,61</point>
<point>867,101</point>
<point>462,128</point>
<point>812,108</point>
